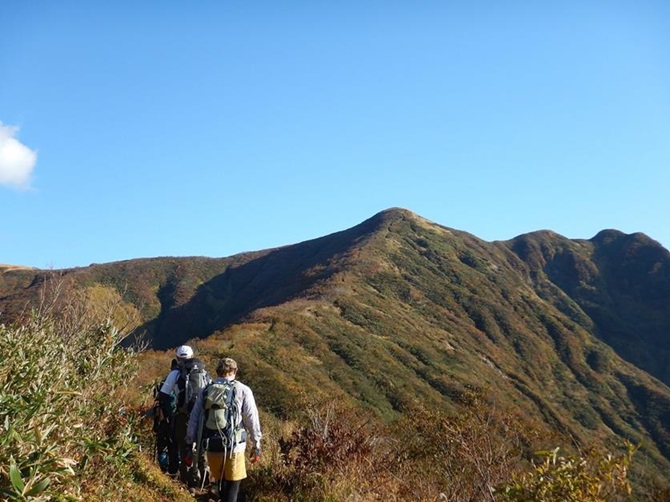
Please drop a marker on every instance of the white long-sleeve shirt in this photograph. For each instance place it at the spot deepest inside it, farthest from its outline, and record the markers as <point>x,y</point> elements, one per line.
<point>247,405</point>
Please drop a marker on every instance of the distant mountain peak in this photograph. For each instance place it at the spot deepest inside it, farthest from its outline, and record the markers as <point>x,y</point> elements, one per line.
<point>611,236</point>
<point>6,268</point>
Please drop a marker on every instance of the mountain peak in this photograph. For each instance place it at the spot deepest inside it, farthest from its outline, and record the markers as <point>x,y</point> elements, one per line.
<point>612,236</point>
<point>395,213</point>
<point>398,214</point>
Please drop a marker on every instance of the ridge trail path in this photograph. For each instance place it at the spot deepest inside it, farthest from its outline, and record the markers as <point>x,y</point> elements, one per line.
<point>207,496</point>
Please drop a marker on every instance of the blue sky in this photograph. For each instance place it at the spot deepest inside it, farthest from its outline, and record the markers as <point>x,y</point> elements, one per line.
<point>137,129</point>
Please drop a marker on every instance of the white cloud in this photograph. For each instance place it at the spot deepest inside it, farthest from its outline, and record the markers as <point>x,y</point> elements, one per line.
<point>17,161</point>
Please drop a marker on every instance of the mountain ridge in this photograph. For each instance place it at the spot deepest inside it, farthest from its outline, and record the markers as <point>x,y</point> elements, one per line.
<point>572,333</point>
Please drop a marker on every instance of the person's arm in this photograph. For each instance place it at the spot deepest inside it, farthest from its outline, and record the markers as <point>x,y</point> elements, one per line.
<point>194,419</point>
<point>166,399</point>
<point>170,382</point>
<point>251,419</point>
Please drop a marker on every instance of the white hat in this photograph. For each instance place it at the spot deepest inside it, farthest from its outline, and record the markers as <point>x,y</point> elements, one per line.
<point>184,352</point>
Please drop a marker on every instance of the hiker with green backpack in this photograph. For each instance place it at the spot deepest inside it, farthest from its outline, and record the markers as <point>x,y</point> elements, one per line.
<point>223,417</point>
<point>181,387</point>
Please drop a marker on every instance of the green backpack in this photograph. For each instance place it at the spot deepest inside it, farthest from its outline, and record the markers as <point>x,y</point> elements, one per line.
<point>223,417</point>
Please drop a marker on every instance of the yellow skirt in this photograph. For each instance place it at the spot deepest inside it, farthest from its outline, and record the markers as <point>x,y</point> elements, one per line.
<point>233,469</point>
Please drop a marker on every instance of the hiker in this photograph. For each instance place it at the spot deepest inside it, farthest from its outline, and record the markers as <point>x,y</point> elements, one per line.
<point>182,386</point>
<point>224,415</point>
<point>162,413</point>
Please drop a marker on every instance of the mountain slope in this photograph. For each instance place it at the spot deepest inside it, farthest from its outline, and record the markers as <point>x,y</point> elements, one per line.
<point>399,309</point>
<point>622,282</point>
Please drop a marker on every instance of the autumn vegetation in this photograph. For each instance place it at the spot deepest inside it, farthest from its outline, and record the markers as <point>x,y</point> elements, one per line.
<point>396,360</point>
<point>68,431</point>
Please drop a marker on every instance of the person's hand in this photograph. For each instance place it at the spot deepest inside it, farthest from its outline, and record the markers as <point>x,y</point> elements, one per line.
<point>255,455</point>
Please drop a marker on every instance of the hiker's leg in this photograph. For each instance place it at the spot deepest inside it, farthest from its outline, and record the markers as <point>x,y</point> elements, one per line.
<point>173,450</point>
<point>229,491</point>
<point>216,465</point>
<point>181,424</point>
<point>163,444</point>
<point>234,472</point>
<point>203,469</point>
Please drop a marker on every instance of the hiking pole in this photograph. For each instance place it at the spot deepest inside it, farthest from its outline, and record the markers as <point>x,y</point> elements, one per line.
<point>205,477</point>
<point>155,430</point>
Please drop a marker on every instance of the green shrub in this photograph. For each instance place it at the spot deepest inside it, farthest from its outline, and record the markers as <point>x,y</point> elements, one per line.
<point>590,477</point>
<point>63,428</point>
